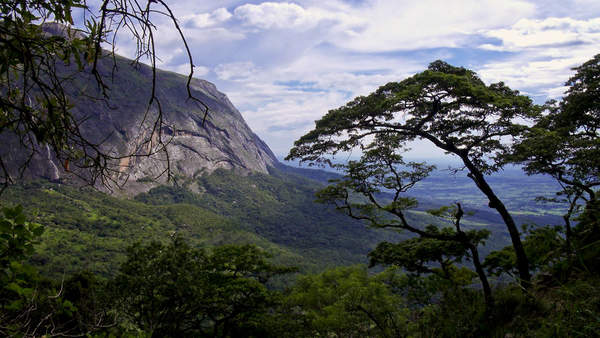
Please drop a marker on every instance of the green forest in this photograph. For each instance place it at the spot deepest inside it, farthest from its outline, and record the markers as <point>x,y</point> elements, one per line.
<point>302,252</point>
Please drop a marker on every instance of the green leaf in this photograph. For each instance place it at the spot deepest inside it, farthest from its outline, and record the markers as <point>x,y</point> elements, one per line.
<point>38,230</point>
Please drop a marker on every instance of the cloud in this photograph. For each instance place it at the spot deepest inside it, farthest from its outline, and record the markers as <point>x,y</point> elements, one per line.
<point>237,71</point>
<point>542,78</point>
<point>204,20</point>
<point>275,15</point>
<point>542,53</point>
<point>285,64</point>
<point>383,25</point>
<point>546,33</point>
<point>576,9</point>
<point>199,71</point>
<point>281,104</point>
<point>400,25</point>
<point>286,15</point>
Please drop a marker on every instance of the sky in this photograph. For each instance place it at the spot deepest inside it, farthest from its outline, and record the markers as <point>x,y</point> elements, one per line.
<point>285,64</point>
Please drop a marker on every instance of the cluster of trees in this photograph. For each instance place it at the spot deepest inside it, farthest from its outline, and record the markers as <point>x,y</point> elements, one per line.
<point>174,290</point>
<point>486,127</point>
<point>163,290</point>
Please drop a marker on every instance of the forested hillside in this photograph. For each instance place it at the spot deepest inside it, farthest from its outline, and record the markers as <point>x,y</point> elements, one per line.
<point>211,237</point>
<point>88,229</point>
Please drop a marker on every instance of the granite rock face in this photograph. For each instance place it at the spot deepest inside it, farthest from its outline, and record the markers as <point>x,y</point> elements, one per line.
<point>125,126</point>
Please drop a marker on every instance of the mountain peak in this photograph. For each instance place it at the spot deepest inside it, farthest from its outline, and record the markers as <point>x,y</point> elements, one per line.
<point>59,29</point>
<point>124,125</point>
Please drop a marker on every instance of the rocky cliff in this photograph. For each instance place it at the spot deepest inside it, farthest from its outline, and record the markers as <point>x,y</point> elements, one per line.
<point>125,126</point>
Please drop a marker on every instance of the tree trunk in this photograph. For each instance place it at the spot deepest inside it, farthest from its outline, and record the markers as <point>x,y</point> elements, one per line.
<point>487,290</point>
<point>494,202</point>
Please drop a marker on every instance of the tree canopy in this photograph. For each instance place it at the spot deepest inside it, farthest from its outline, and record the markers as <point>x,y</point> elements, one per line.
<point>175,290</point>
<point>451,107</point>
<point>564,142</point>
<point>446,105</point>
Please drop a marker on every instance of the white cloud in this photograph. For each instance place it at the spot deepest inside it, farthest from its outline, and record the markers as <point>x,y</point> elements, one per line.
<point>237,71</point>
<point>282,104</point>
<point>275,15</point>
<point>221,14</point>
<point>199,71</point>
<point>544,51</point>
<point>401,25</point>
<point>537,78</point>
<point>577,9</point>
<point>528,33</point>
<point>281,15</point>
<point>383,25</point>
<point>203,20</point>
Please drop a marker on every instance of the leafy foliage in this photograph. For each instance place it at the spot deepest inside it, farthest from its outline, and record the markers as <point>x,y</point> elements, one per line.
<point>30,304</point>
<point>174,290</point>
<point>564,143</point>
<point>17,236</point>
<point>543,246</point>
<point>451,107</point>
<point>425,255</point>
<point>344,302</point>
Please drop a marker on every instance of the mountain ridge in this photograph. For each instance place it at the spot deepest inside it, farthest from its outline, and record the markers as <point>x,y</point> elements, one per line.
<point>124,127</point>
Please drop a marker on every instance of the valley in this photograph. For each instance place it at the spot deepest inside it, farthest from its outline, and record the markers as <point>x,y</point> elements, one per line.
<point>90,230</point>
<point>138,202</point>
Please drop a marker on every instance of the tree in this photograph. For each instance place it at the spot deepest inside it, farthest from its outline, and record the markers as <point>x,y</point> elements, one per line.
<point>446,247</point>
<point>37,46</point>
<point>542,245</point>
<point>361,194</point>
<point>346,302</point>
<point>174,290</point>
<point>31,305</point>
<point>451,107</point>
<point>564,143</point>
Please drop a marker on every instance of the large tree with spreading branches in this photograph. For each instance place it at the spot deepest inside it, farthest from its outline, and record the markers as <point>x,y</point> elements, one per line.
<point>450,107</point>
<point>564,142</point>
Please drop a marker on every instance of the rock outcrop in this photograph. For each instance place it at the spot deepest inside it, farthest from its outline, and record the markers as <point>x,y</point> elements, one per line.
<point>125,126</point>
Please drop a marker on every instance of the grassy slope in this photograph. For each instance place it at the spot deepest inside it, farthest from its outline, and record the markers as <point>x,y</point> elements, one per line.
<point>280,207</point>
<point>87,229</point>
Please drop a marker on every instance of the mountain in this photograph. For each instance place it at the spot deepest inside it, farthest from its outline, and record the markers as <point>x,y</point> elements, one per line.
<point>228,187</point>
<point>124,125</point>
<point>89,229</point>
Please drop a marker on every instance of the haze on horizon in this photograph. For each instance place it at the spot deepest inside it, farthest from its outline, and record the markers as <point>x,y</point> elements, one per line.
<point>285,64</point>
